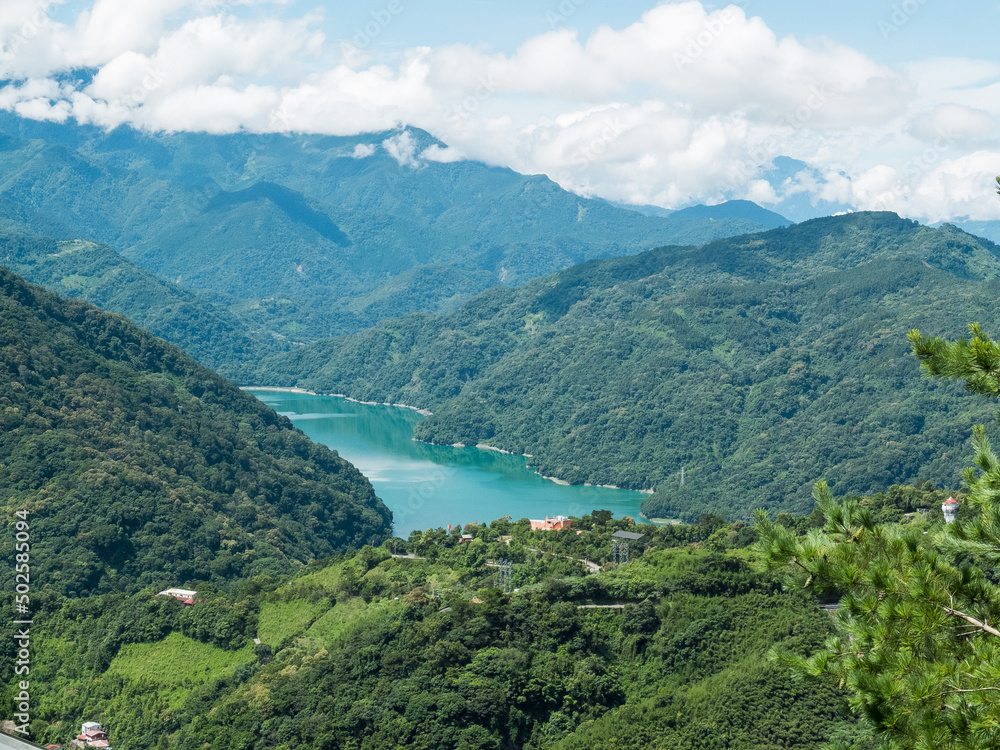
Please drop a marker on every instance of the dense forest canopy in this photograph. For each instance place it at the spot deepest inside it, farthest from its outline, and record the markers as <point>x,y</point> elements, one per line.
<point>299,239</point>
<point>376,652</point>
<point>138,466</point>
<point>755,364</point>
<point>93,272</point>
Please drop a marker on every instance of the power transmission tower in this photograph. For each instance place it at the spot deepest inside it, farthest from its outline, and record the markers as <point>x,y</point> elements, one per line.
<point>506,575</point>
<point>619,551</point>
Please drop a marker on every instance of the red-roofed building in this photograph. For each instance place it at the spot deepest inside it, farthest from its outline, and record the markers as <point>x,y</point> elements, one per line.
<point>184,596</point>
<point>950,509</point>
<point>91,735</point>
<point>551,524</point>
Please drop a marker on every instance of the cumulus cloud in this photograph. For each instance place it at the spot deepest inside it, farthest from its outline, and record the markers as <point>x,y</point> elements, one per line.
<point>683,105</point>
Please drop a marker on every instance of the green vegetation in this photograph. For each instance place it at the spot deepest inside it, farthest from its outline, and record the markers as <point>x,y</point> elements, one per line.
<point>293,237</point>
<point>917,647</point>
<point>99,275</point>
<point>370,651</point>
<point>756,365</point>
<point>176,664</point>
<point>139,467</point>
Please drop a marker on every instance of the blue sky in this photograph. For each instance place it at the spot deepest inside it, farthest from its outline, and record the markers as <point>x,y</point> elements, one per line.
<point>932,28</point>
<point>885,105</point>
<point>937,27</point>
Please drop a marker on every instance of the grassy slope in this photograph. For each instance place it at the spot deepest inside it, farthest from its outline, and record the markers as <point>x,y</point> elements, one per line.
<point>176,664</point>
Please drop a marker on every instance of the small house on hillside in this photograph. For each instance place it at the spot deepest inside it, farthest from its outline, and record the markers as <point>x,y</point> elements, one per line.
<point>184,596</point>
<point>551,524</point>
<point>91,736</point>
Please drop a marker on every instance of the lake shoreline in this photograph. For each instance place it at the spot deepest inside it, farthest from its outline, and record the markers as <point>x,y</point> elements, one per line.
<point>304,392</point>
<point>427,413</point>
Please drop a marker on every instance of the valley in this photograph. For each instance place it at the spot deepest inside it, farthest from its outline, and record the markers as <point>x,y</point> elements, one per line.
<point>431,486</point>
<point>499,376</point>
<point>757,365</point>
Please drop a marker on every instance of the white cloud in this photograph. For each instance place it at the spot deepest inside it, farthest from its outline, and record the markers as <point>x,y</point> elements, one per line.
<point>683,105</point>
<point>954,122</point>
<point>363,151</point>
<point>442,155</point>
<point>403,149</point>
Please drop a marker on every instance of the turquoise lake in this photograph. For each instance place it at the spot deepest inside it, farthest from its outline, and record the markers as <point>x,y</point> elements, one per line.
<point>427,486</point>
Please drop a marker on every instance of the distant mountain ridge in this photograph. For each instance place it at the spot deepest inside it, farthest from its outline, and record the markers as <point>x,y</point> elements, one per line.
<point>757,364</point>
<point>736,209</point>
<point>302,237</point>
<point>96,273</point>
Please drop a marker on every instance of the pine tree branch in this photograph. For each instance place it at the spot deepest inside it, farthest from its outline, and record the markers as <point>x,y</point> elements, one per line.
<point>972,621</point>
<point>968,690</point>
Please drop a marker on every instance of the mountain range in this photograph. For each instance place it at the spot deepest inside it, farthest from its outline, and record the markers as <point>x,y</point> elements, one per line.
<point>301,237</point>
<point>757,365</point>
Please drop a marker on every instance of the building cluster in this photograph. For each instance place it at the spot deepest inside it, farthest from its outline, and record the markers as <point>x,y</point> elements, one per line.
<point>91,735</point>
<point>551,524</point>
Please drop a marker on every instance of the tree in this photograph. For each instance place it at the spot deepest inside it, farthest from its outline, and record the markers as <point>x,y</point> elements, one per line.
<point>919,643</point>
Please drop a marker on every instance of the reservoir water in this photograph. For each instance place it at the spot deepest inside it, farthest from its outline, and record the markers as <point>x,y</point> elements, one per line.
<point>428,486</point>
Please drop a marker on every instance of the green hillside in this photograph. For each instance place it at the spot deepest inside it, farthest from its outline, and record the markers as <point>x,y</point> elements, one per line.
<point>757,365</point>
<point>140,467</point>
<point>96,273</point>
<point>298,238</point>
<point>374,652</point>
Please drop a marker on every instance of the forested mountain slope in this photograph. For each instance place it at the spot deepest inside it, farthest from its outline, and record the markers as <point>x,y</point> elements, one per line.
<point>139,467</point>
<point>310,236</point>
<point>374,652</point>
<point>757,365</point>
<point>96,273</point>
